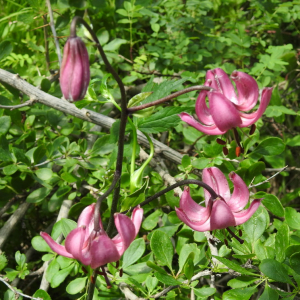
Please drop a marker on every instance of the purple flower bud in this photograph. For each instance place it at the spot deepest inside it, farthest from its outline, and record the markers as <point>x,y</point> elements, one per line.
<point>75,70</point>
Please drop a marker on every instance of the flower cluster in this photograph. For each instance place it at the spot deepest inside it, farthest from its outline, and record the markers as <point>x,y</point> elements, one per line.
<point>96,248</point>
<point>226,108</point>
<point>227,210</point>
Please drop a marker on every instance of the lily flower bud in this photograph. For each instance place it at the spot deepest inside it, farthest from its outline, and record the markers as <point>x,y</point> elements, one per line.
<point>75,69</point>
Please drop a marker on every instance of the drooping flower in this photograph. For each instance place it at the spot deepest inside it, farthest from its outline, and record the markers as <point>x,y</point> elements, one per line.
<point>96,248</point>
<point>75,69</point>
<point>222,212</point>
<point>226,108</point>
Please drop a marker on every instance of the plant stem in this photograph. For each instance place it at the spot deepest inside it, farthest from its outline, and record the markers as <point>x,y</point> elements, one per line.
<point>118,171</point>
<point>213,194</point>
<point>167,98</point>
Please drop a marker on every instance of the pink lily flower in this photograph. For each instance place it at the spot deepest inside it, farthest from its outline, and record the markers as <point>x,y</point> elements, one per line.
<point>75,70</point>
<point>226,108</point>
<point>222,212</point>
<point>96,248</point>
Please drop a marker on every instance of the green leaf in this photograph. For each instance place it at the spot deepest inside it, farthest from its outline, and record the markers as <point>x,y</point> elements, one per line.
<point>275,270</point>
<point>295,262</point>
<point>114,44</point>
<point>186,250</point>
<point>241,281</point>
<point>294,142</point>
<point>67,226</point>
<point>133,253</point>
<point>269,147</point>
<point>155,267</point>
<point>166,279</point>
<point>292,217</point>
<point>76,285</point>
<point>102,146</point>
<point>204,292</point>
<point>138,285</point>
<point>163,120</point>
<point>255,226</point>
<point>137,99</point>
<point>39,244</point>
<point>162,248</point>
<point>151,221</point>
<point>201,163</point>
<point>60,276</point>
<point>10,169</point>
<point>39,153</point>
<point>189,266</point>
<point>282,242</point>
<point>5,49</point>
<point>272,203</point>
<point>5,121</point>
<point>151,283</point>
<point>276,111</point>
<point>38,195</point>
<point>41,294</point>
<point>234,266</point>
<point>44,173</point>
<point>269,294</point>
<point>242,294</point>
<point>155,27</point>
<point>3,261</point>
<point>52,270</point>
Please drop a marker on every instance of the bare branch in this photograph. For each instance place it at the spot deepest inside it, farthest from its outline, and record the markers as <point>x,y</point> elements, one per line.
<point>54,31</point>
<point>280,170</point>
<point>16,292</point>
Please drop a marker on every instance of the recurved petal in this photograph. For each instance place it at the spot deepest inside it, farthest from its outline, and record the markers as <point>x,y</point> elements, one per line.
<point>59,249</point>
<point>217,181</point>
<point>201,109</point>
<point>126,231</point>
<point>194,225</point>
<point>193,211</point>
<point>74,244</point>
<point>223,112</point>
<point>136,218</point>
<point>249,119</point>
<point>211,130</point>
<point>222,83</point>
<point>103,251</point>
<point>244,215</point>
<point>240,195</point>
<point>221,215</point>
<point>86,216</point>
<point>247,88</point>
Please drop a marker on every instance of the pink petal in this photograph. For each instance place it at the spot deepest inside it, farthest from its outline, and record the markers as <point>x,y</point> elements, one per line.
<point>217,181</point>
<point>223,112</point>
<point>74,244</point>
<point>211,130</point>
<point>86,216</point>
<point>247,88</point>
<point>201,109</point>
<point>221,215</point>
<point>103,251</point>
<point>222,83</point>
<point>194,225</point>
<point>126,231</point>
<point>59,249</point>
<point>136,218</point>
<point>249,119</point>
<point>244,215</point>
<point>194,211</point>
<point>240,195</point>
<point>66,70</point>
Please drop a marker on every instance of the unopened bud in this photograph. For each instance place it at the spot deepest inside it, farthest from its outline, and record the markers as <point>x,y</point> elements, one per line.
<point>75,70</point>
